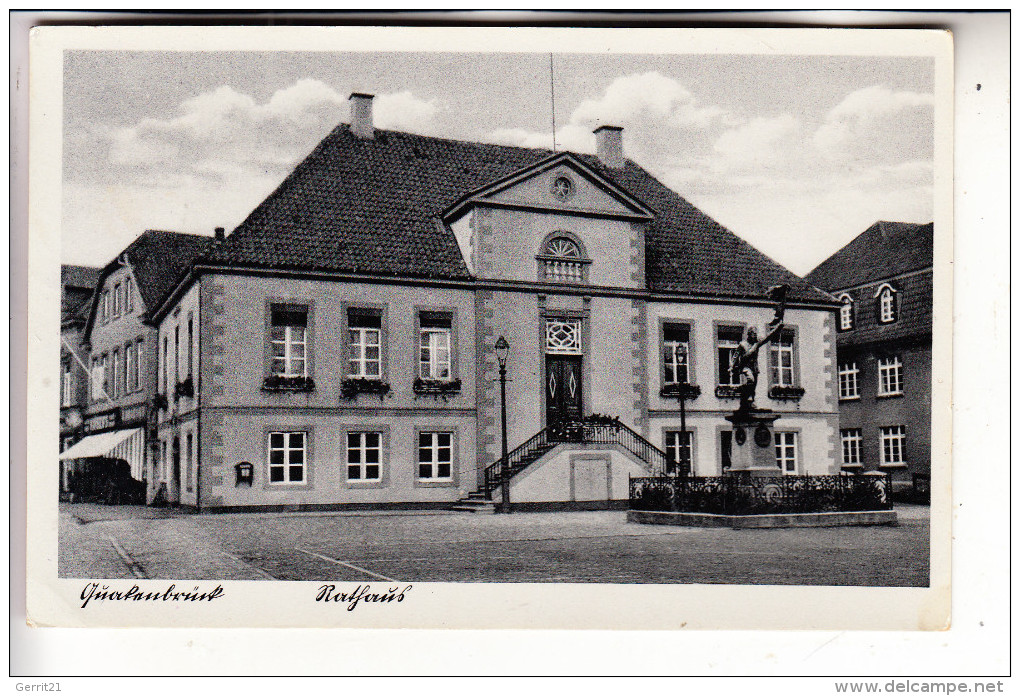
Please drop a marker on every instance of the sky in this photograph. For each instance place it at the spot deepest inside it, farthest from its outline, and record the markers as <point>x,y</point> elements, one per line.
<point>796,154</point>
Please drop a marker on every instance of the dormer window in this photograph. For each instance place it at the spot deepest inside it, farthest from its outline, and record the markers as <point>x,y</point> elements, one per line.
<point>886,304</point>
<point>562,260</point>
<point>846,313</point>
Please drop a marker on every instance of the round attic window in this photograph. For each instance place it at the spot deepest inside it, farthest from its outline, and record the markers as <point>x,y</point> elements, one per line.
<point>562,188</point>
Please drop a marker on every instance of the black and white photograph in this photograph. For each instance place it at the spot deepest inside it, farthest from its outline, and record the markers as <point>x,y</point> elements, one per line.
<point>379,323</point>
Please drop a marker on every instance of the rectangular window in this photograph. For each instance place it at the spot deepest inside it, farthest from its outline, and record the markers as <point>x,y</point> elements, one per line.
<point>365,334</point>
<point>289,340</point>
<point>890,376</point>
<point>115,374</point>
<point>851,440</point>
<point>894,444</point>
<point>786,452</point>
<point>116,299</point>
<point>105,305</point>
<point>131,366</point>
<point>781,360</point>
<point>726,342</point>
<point>187,463</point>
<point>105,362</point>
<point>678,447</point>
<point>129,295</point>
<point>191,344</point>
<point>676,353</point>
<point>122,373</point>
<point>163,374</point>
<point>66,385</point>
<point>435,456</point>
<point>848,380</point>
<point>177,355</point>
<point>140,362</point>
<point>434,349</point>
<point>287,457</point>
<point>96,381</point>
<point>364,456</point>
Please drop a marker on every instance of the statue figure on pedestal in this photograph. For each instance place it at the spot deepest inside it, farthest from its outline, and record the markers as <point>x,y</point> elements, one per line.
<point>744,364</point>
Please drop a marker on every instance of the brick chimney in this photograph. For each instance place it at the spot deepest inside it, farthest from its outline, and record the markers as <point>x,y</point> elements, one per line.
<point>609,146</point>
<point>361,115</point>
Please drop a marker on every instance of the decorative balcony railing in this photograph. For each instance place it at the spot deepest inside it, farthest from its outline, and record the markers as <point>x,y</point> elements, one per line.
<point>761,495</point>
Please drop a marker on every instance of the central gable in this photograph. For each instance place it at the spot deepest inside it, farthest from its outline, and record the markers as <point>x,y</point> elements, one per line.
<point>558,184</point>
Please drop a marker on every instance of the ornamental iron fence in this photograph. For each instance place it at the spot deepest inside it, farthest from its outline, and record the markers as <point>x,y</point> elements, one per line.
<point>762,495</point>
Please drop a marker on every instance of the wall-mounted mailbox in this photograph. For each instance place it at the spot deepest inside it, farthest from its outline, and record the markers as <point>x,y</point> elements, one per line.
<point>245,473</point>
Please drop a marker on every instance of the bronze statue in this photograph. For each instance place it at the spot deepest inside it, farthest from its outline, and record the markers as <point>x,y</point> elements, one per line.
<point>744,364</point>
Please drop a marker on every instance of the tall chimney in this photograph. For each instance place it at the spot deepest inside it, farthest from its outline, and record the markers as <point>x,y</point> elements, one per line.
<point>361,115</point>
<point>219,234</point>
<point>609,146</point>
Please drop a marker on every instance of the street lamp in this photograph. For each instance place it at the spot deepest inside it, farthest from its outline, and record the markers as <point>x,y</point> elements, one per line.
<point>502,351</point>
<point>680,352</point>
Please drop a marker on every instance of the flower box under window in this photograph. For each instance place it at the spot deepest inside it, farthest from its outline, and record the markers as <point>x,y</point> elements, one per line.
<point>789,393</point>
<point>350,388</point>
<point>160,402</point>
<point>727,391</point>
<point>279,383</point>
<point>185,388</point>
<point>438,387</point>
<point>675,389</point>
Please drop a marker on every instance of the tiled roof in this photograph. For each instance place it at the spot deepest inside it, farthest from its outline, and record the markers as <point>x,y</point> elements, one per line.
<point>370,206</point>
<point>158,259</point>
<point>884,250</point>
<point>84,277</point>
<point>76,286</point>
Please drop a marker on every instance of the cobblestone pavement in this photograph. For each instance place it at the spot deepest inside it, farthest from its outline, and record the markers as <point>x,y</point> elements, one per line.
<point>453,547</point>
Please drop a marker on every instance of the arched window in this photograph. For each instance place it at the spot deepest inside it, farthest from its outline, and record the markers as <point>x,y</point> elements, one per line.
<point>886,306</point>
<point>846,313</point>
<point>562,259</point>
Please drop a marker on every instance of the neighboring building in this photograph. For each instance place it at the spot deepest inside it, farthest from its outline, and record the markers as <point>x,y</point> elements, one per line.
<point>76,286</point>
<point>337,348</point>
<point>118,341</point>
<point>883,280</point>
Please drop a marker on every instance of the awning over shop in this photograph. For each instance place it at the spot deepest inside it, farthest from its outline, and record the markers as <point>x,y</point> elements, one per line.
<point>98,445</point>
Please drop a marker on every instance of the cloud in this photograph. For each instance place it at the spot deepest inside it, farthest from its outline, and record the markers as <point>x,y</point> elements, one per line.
<point>404,111</point>
<point>658,114</point>
<point>758,143</point>
<point>877,124</point>
<point>646,94</point>
<point>222,133</point>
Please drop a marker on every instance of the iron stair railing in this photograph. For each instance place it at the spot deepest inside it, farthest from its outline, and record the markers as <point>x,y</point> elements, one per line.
<point>602,431</point>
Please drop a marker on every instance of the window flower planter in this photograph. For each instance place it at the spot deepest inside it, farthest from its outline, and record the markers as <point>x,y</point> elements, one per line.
<point>278,383</point>
<point>724,391</point>
<point>437,387</point>
<point>690,391</point>
<point>350,388</point>
<point>786,393</point>
<point>185,388</point>
<point>160,402</point>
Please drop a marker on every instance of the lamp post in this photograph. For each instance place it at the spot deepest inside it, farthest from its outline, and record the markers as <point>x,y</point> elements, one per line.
<point>502,351</point>
<point>680,352</point>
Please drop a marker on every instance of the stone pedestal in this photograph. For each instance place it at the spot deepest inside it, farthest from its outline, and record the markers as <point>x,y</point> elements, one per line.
<point>753,452</point>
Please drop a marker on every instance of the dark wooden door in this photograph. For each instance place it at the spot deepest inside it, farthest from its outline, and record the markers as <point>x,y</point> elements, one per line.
<point>562,388</point>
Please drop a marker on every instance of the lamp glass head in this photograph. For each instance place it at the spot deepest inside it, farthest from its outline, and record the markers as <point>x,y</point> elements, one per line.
<point>502,349</point>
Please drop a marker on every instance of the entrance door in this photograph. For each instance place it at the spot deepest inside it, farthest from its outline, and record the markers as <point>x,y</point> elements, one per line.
<point>562,388</point>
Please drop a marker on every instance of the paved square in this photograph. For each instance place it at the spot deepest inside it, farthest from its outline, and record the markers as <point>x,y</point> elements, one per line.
<point>456,547</point>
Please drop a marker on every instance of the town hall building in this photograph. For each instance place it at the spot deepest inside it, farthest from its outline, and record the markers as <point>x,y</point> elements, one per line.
<point>337,349</point>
